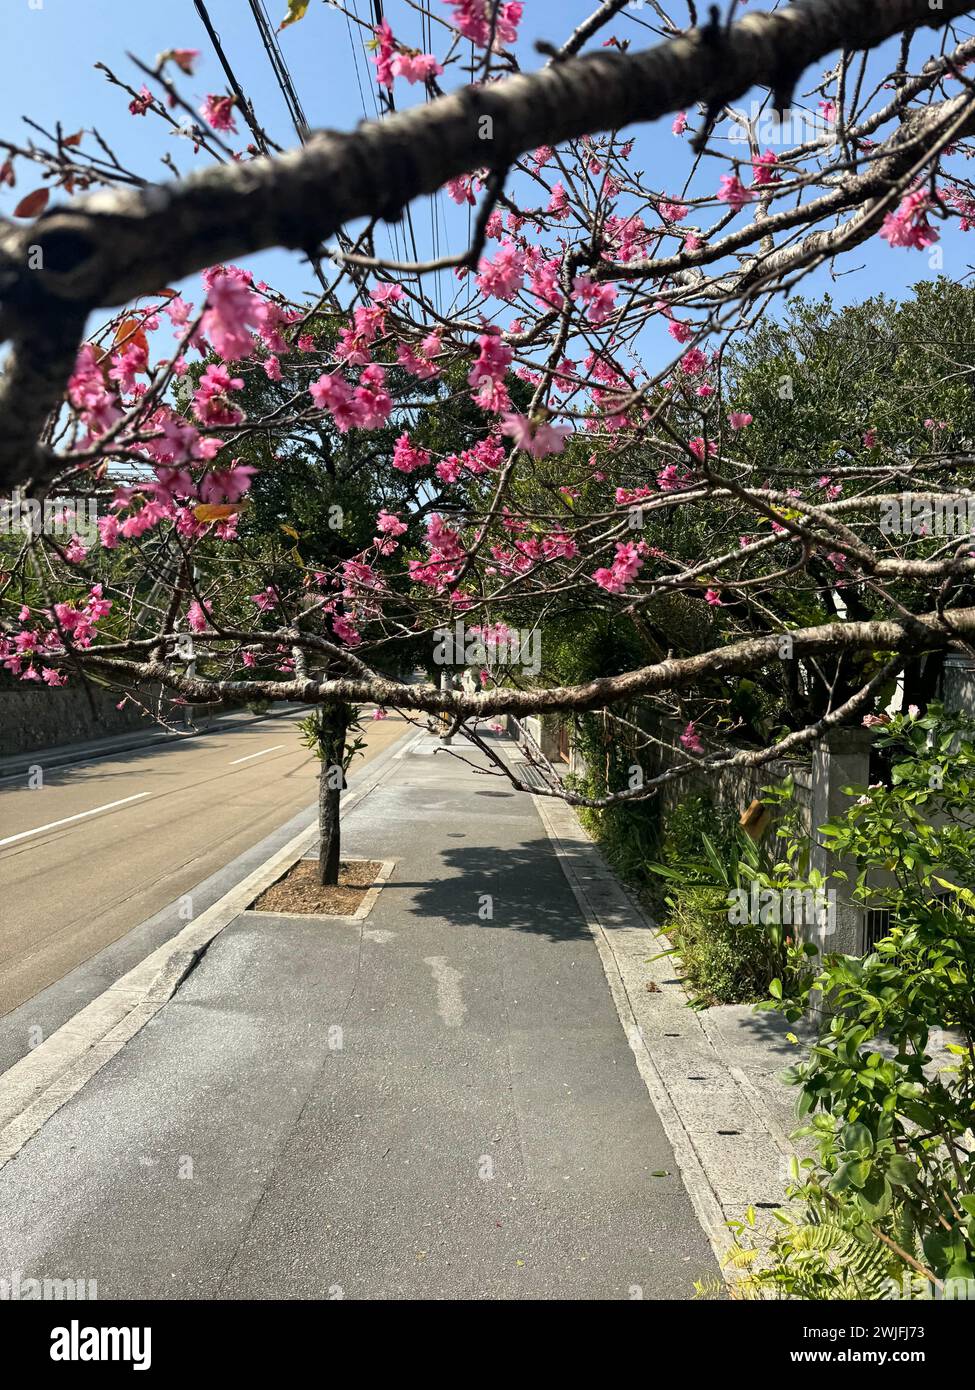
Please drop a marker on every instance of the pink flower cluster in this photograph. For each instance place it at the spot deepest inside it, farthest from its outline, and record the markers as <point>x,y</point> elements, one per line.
<point>909,225</point>
<point>488,373</point>
<point>539,440</point>
<point>67,624</point>
<point>391,61</point>
<point>626,565</point>
<point>407,458</point>
<point>366,406</point>
<point>505,275</point>
<point>473,19</point>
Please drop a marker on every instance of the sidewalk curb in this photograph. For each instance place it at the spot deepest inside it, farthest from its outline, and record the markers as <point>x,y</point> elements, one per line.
<point>706,1165</point>
<point>35,1087</point>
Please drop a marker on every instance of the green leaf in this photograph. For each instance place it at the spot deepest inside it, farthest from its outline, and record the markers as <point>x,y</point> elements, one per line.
<point>901,1171</point>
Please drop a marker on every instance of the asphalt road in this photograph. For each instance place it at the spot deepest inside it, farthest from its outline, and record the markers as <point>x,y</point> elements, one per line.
<point>101,846</point>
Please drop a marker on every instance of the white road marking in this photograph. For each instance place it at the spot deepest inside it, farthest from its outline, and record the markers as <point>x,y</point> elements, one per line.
<point>39,830</point>
<point>450,1001</point>
<point>258,755</point>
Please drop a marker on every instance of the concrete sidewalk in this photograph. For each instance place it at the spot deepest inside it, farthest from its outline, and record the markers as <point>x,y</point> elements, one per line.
<point>436,1102</point>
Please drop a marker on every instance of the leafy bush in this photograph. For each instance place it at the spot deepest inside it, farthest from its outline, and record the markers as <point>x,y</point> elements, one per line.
<point>726,964</point>
<point>706,860</point>
<point>894,1165</point>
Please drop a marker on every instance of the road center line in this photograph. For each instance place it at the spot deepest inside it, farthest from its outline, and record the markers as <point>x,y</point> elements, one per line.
<point>39,830</point>
<point>258,755</point>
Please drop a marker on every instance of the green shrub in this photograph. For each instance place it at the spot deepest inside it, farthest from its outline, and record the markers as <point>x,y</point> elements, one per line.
<point>893,1177</point>
<point>726,964</point>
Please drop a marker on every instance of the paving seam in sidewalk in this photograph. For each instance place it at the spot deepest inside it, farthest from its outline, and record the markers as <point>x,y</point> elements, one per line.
<point>720,1182</point>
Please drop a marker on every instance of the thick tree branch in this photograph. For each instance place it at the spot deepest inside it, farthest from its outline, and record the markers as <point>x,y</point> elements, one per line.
<point>909,635</point>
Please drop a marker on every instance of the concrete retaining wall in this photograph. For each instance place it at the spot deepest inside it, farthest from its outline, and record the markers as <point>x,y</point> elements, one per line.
<point>33,718</point>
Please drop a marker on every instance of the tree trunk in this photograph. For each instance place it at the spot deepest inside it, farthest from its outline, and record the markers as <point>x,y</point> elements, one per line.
<point>333,724</point>
<point>329,828</point>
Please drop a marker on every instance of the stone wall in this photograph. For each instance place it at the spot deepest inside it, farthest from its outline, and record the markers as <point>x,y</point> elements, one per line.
<point>37,717</point>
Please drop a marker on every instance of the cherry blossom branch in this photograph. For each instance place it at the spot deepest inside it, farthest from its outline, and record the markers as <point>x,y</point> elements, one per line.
<point>111,247</point>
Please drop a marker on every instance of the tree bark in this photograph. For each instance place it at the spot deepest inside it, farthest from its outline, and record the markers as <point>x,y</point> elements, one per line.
<point>329,829</point>
<point>333,724</point>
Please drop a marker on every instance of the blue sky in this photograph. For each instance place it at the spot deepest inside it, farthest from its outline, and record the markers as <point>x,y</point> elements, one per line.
<point>51,47</point>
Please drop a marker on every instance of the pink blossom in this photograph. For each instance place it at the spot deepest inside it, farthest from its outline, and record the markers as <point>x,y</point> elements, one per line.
<point>488,373</point>
<point>211,403</point>
<point>505,275</point>
<point>416,67</point>
<point>108,531</point>
<point>739,419</point>
<point>139,105</point>
<point>184,58</point>
<point>693,362</point>
<point>344,631</point>
<point>461,189</point>
<point>909,225</point>
<point>389,524</point>
<point>473,19</point>
<point>600,300</point>
<point>541,441</point>
<point>732,191</point>
<point>218,111</point>
<point>689,740</point>
<point>196,617</point>
<point>626,566</point>
<point>383,56</point>
<point>713,597</point>
<point>233,309</point>
<point>680,123</point>
<point>227,484</point>
<point>765,170</point>
<point>558,203</point>
<point>407,457</point>
<point>696,446</point>
<point>266,599</point>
